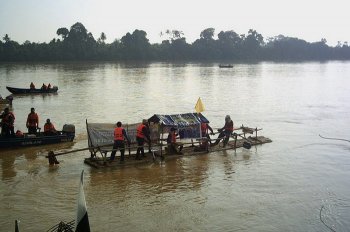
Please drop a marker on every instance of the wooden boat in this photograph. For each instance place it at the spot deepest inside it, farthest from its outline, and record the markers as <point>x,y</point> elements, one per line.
<point>100,139</point>
<point>31,91</point>
<point>66,135</point>
<point>225,66</point>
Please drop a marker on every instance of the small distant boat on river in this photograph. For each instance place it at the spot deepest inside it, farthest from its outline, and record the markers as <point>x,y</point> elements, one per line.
<point>14,90</point>
<point>66,135</point>
<point>225,66</point>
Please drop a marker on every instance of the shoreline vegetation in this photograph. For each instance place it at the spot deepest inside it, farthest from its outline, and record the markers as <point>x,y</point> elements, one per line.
<point>77,44</point>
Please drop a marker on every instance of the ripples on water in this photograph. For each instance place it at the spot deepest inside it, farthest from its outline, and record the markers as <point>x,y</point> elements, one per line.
<point>274,187</point>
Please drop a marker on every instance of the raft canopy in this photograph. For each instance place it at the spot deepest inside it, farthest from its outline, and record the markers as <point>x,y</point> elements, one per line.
<point>102,134</point>
<point>188,124</point>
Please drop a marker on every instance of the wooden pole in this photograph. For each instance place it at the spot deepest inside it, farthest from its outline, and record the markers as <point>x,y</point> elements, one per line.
<point>235,141</point>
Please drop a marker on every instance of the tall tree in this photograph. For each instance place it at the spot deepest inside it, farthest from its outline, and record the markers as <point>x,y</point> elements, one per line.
<point>6,38</point>
<point>135,45</point>
<point>102,38</point>
<point>62,32</point>
<point>207,34</point>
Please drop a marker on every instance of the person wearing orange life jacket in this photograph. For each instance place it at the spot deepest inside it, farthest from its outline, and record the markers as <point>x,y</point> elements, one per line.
<point>119,142</point>
<point>49,128</point>
<point>7,123</point>
<point>32,121</point>
<point>173,146</point>
<point>142,134</point>
<point>226,131</point>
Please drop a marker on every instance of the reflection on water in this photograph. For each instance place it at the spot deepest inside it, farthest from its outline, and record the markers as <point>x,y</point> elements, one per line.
<point>274,187</point>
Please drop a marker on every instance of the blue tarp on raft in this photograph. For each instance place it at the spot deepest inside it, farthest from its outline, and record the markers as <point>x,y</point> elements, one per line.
<point>187,124</point>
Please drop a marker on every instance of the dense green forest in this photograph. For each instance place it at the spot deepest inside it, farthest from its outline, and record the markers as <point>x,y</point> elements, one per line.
<point>78,44</point>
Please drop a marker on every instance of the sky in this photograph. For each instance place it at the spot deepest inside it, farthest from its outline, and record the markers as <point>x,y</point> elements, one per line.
<point>311,20</point>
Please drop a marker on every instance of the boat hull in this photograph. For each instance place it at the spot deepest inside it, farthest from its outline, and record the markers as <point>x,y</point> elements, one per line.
<point>27,141</point>
<point>31,91</point>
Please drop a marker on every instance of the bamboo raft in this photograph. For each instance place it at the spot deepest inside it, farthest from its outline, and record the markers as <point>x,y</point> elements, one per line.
<point>100,141</point>
<point>161,155</point>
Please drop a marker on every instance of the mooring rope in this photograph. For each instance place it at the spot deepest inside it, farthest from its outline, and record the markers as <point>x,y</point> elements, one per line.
<point>334,138</point>
<point>324,222</point>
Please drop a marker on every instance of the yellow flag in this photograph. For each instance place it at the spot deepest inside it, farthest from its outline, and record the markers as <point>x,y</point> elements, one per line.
<point>199,106</point>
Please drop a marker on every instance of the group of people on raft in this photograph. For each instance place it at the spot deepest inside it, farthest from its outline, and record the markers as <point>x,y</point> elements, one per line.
<point>8,120</point>
<point>174,147</point>
<point>43,87</point>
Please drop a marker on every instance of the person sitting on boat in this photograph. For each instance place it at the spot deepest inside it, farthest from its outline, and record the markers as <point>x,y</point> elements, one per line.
<point>49,128</point>
<point>49,86</point>
<point>173,146</point>
<point>119,142</point>
<point>44,87</point>
<point>19,134</point>
<point>142,134</point>
<point>226,131</point>
<point>32,121</point>
<point>7,123</point>
<point>205,128</point>
<point>32,86</point>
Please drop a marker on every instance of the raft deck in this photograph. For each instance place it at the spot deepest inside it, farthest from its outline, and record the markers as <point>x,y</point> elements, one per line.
<point>103,162</point>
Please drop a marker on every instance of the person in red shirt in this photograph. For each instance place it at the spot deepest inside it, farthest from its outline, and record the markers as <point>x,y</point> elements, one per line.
<point>205,128</point>
<point>173,146</point>
<point>32,121</point>
<point>226,131</point>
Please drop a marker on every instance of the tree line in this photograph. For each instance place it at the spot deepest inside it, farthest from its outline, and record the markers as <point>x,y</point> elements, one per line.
<point>77,44</point>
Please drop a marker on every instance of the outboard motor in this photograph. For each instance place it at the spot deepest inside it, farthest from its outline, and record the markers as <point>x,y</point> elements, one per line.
<point>68,128</point>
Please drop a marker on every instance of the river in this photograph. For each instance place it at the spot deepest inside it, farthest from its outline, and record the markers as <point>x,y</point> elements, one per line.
<point>280,186</point>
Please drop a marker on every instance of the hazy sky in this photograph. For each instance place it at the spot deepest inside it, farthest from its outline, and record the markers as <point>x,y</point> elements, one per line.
<point>311,20</point>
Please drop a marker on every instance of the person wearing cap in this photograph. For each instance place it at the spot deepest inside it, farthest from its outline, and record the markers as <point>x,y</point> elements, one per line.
<point>173,146</point>
<point>7,123</point>
<point>120,136</point>
<point>226,131</point>
<point>32,121</point>
<point>142,134</point>
<point>49,128</point>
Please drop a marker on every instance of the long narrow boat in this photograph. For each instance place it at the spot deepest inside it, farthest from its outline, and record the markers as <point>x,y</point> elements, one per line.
<point>66,135</point>
<point>225,66</point>
<point>14,90</point>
